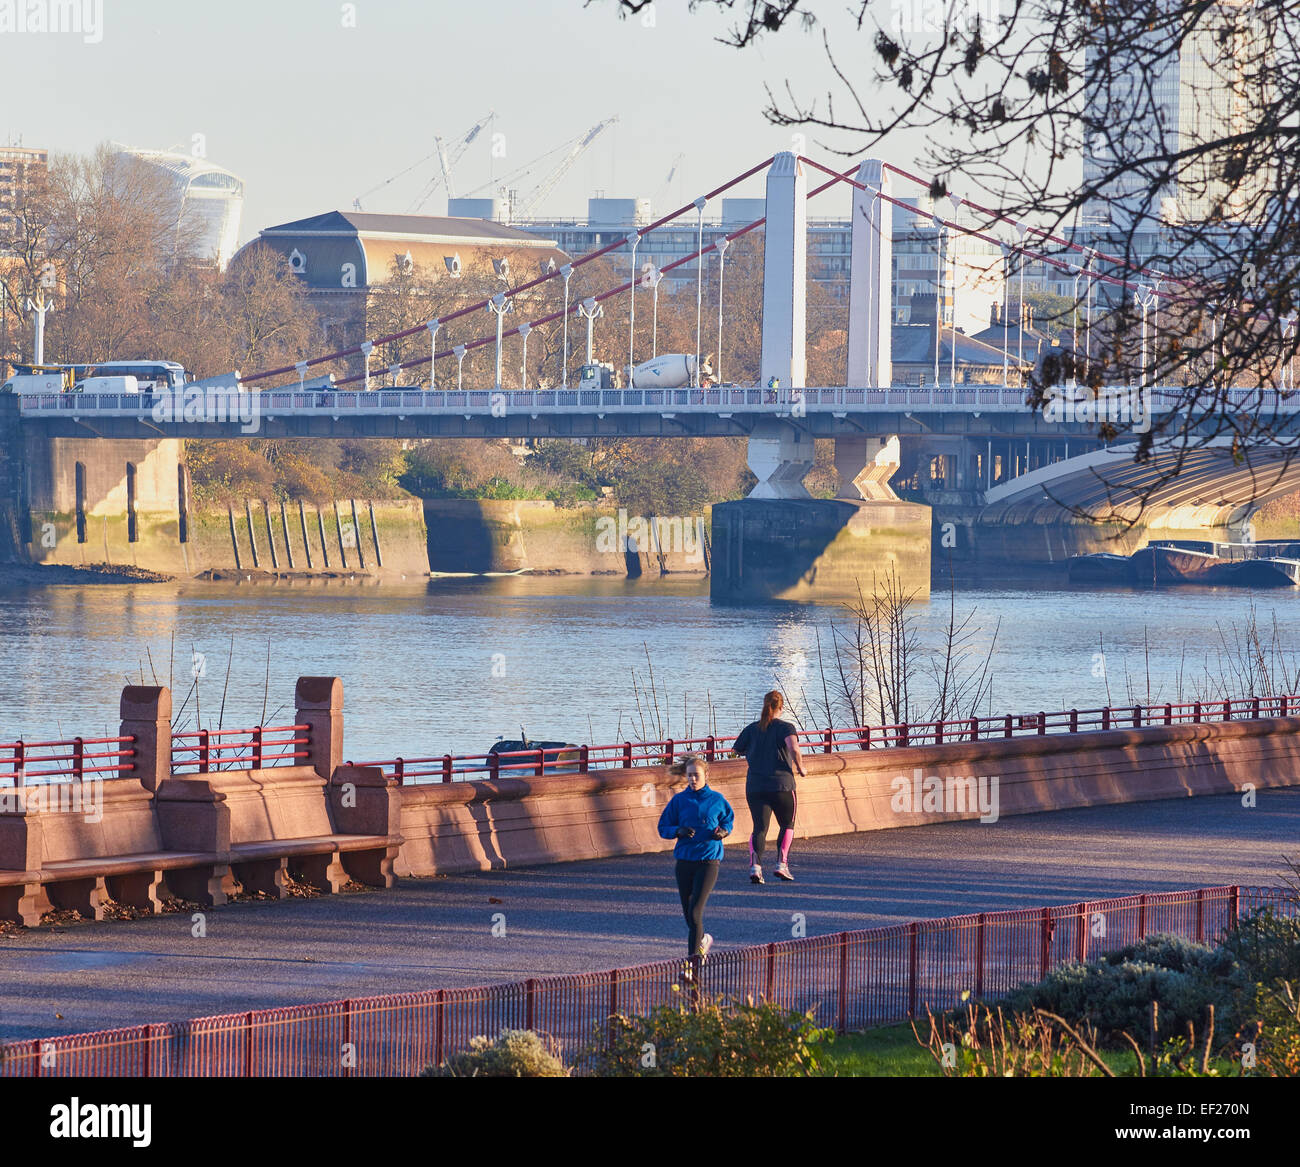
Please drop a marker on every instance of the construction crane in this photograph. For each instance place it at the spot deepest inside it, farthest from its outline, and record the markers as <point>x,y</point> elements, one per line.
<point>668,182</point>
<point>445,162</point>
<point>523,207</point>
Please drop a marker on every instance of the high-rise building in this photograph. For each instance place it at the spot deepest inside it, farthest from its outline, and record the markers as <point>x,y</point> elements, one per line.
<point>1148,101</point>
<point>19,167</point>
<point>204,194</point>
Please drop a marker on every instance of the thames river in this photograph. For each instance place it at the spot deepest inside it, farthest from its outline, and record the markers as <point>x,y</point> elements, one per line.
<point>451,665</point>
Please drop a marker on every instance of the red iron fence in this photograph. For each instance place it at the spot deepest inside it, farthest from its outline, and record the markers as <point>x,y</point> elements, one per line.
<point>848,980</point>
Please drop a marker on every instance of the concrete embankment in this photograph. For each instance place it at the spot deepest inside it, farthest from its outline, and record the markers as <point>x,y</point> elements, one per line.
<point>490,535</point>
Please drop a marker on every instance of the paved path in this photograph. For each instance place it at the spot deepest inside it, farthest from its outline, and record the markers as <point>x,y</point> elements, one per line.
<point>436,933</point>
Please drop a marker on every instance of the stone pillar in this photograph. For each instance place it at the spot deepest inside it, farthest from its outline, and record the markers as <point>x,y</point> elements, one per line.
<point>779,455</point>
<point>319,705</point>
<point>785,266</point>
<point>146,712</point>
<point>871,281</point>
<point>865,466</point>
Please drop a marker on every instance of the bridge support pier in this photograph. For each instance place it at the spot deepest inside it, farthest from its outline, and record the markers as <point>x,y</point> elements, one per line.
<point>865,467</point>
<point>779,455</point>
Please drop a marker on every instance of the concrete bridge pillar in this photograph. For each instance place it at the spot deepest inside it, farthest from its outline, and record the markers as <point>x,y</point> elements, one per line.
<point>785,264</point>
<point>871,278</point>
<point>779,455</point>
<point>866,465</point>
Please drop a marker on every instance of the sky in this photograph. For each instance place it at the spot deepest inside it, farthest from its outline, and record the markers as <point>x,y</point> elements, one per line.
<point>313,102</point>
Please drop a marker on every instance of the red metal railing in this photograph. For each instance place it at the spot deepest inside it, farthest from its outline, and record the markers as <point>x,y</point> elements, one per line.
<point>71,761</point>
<point>201,751</point>
<point>849,980</point>
<point>625,755</point>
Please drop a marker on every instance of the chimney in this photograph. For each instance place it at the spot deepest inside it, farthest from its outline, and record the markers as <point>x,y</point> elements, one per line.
<point>995,316</point>
<point>923,308</point>
<point>1029,317</point>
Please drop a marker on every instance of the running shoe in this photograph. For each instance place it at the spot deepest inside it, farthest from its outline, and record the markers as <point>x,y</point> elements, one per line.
<point>706,942</point>
<point>756,874</point>
<point>783,870</point>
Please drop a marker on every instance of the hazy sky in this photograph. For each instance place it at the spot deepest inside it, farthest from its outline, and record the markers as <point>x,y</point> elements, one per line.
<point>311,113</point>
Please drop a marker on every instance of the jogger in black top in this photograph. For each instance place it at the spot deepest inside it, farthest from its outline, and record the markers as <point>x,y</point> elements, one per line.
<point>772,750</point>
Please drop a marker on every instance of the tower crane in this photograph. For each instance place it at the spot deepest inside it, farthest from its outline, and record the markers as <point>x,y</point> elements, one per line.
<point>525,206</point>
<point>446,161</point>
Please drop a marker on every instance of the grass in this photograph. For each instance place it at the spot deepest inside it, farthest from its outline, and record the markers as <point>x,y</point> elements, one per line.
<point>889,1052</point>
<point>892,1051</point>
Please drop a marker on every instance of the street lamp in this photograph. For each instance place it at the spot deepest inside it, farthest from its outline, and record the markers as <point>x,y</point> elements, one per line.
<point>459,350</point>
<point>591,310</point>
<point>367,347</point>
<point>723,244</point>
<point>633,240</point>
<point>566,271</point>
<point>433,326</point>
<point>650,277</point>
<point>524,329</point>
<point>1144,298</point>
<point>700,204</point>
<point>499,306</point>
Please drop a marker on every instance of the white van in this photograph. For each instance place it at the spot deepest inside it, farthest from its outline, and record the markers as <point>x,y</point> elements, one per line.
<point>107,385</point>
<point>28,383</point>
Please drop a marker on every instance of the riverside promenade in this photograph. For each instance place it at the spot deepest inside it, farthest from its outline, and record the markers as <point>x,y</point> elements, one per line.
<point>581,916</point>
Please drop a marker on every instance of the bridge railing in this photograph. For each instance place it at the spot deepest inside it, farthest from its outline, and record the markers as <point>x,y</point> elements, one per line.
<point>217,406</point>
<point>205,750</point>
<point>25,763</point>
<point>847,980</point>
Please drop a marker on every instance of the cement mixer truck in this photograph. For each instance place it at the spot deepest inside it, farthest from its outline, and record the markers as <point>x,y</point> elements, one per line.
<point>667,371</point>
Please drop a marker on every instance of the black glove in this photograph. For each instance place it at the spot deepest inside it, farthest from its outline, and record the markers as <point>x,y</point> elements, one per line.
<point>686,832</point>
<point>719,833</point>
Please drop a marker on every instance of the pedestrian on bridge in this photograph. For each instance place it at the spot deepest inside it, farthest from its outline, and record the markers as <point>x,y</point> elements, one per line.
<point>699,818</point>
<point>771,746</point>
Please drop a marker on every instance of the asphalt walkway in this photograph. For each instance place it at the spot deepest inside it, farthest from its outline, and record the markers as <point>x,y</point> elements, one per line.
<point>571,917</point>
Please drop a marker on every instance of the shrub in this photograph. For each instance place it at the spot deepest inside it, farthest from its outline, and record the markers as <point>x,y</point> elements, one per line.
<point>1276,1030</point>
<point>719,1039</point>
<point>1114,994</point>
<point>1266,945</point>
<point>516,1053</point>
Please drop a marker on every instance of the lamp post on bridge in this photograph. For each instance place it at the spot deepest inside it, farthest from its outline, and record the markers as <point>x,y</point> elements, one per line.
<point>590,310</point>
<point>566,271</point>
<point>650,276</point>
<point>524,329</point>
<point>500,306</point>
<point>367,347</point>
<point>700,204</point>
<point>1144,298</point>
<point>433,326</point>
<point>723,244</point>
<point>633,240</point>
<point>459,350</point>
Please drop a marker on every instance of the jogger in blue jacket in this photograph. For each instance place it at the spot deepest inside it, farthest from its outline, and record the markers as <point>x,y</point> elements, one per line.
<point>699,818</point>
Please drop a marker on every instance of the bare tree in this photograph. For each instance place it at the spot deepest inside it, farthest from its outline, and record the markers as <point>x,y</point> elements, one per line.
<point>1185,118</point>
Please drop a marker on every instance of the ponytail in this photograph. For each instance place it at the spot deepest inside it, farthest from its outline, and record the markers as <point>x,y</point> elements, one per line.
<point>773,703</point>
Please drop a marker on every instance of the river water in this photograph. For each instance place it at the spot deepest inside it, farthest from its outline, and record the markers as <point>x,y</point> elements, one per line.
<point>450,665</point>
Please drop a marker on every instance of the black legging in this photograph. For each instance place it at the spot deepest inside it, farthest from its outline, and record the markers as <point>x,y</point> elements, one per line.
<point>762,806</point>
<point>695,880</point>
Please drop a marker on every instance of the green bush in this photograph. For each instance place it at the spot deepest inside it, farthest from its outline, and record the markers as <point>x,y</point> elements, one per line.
<point>1276,1029</point>
<point>719,1039</point>
<point>517,1053</point>
<point>1114,994</point>
<point>1266,945</point>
